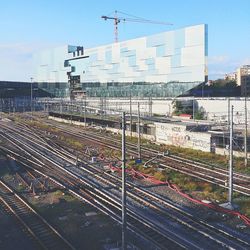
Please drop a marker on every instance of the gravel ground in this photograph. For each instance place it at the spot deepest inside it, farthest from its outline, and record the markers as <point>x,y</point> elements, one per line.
<point>200,211</point>
<point>12,234</point>
<point>84,226</point>
<point>197,210</point>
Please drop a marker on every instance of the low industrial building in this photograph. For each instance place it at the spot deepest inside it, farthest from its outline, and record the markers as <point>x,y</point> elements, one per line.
<point>16,95</point>
<point>204,136</point>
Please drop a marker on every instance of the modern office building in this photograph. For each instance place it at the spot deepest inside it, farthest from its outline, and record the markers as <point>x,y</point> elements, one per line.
<point>162,65</point>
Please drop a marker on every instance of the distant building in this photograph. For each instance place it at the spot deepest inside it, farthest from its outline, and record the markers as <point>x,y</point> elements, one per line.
<point>16,96</point>
<point>161,65</point>
<point>243,79</point>
<point>231,76</point>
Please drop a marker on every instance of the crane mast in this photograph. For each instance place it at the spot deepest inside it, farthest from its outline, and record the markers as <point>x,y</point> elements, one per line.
<point>117,20</point>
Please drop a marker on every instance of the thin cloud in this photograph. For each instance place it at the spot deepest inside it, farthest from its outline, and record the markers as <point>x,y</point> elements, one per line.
<point>246,61</point>
<point>218,59</point>
<point>16,60</point>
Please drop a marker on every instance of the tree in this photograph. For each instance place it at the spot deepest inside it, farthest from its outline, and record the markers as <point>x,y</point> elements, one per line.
<point>200,114</point>
<point>183,107</point>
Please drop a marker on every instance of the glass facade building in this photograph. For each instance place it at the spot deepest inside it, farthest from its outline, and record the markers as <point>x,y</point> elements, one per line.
<point>164,64</point>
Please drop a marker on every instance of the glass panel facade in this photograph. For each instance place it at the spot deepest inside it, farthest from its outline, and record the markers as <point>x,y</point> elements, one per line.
<point>165,64</point>
<point>170,89</point>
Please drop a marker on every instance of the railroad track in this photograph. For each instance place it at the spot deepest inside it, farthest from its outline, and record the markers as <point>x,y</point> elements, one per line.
<point>109,206</point>
<point>34,181</point>
<point>46,236</point>
<point>217,238</point>
<point>204,172</point>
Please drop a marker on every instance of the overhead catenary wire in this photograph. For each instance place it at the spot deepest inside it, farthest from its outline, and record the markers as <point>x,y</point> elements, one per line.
<point>117,19</point>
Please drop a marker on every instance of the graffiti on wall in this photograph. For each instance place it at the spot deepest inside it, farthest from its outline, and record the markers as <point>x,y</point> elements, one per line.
<point>178,136</point>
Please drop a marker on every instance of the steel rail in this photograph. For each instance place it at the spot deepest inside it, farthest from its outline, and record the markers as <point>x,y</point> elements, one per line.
<point>216,175</point>
<point>45,234</point>
<point>97,202</point>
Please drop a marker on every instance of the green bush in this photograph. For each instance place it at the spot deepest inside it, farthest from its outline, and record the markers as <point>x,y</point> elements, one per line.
<point>160,176</point>
<point>207,187</point>
<point>191,186</point>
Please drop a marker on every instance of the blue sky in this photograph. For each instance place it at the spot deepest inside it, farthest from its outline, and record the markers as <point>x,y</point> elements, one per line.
<point>31,25</point>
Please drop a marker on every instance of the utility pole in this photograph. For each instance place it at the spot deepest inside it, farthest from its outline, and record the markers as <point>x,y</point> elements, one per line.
<point>139,133</point>
<point>193,107</point>
<point>105,107</point>
<point>1,108</point>
<point>71,111</point>
<point>101,106</point>
<point>31,95</point>
<point>85,119</point>
<point>228,115</point>
<point>81,107</point>
<point>61,106</point>
<point>130,111</point>
<point>124,219</point>
<point>230,193</point>
<point>245,138</point>
<point>150,108</point>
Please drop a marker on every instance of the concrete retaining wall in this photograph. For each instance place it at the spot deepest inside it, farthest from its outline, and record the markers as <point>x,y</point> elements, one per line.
<point>177,135</point>
<point>223,151</point>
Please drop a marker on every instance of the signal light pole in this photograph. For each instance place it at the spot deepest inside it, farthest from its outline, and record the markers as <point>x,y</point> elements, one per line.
<point>230,193</point>
<point>245,137</point>
<point>229,204</point>
<point>31,95</point>
<point>85,109</point>
<point>124,219</point>
<point>130,111</point>
<point>139,134</point>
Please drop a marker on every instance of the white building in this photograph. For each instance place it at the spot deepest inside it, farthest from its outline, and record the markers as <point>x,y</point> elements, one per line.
<point>160,65</point>
<point>243,79</point>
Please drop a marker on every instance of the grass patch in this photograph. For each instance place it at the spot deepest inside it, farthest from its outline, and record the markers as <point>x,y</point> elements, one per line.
<point>196,155</point>
<point>51,202</point>
<point>20,188</point>
<point>160,176</point>
<point>7,177</point>
<point>4,170</point>
<point>244,204</point>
